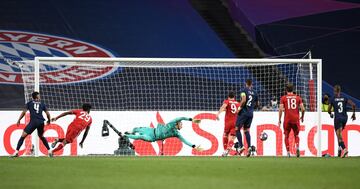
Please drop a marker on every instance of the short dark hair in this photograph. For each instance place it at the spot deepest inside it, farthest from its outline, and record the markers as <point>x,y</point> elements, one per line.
<point>289,87</point>
<point>231,94</point>
<point>86,107</point>
<point>248,82</point>
<point>35,94</point>
<point>337,88</point>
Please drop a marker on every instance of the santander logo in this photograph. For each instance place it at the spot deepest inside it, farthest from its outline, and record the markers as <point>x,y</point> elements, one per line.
<point>24,46</point>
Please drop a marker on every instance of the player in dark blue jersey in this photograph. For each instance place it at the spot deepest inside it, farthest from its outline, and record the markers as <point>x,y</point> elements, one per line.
<point>35,107</point>
<point>249,101</point>
<point>339,102</point>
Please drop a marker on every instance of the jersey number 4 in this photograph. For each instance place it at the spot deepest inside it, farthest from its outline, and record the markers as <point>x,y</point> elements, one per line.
<point>84,116</point>
<point>36,107</point>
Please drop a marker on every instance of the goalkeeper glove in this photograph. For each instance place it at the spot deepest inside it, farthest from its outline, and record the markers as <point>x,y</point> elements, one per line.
<point>197,121</point>
<point>197,148</point>
<point>353,117</point>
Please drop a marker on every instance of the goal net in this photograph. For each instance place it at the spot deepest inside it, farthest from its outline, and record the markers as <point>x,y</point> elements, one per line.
<point>146,92</point>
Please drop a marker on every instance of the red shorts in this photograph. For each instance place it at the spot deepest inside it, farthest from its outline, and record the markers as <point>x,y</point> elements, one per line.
<point>288,126</point>
<point>72,132</point>
<point>229,128</point>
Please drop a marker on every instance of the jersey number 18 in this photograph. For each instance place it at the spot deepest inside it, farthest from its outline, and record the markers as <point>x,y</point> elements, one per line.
<point>291,103</point>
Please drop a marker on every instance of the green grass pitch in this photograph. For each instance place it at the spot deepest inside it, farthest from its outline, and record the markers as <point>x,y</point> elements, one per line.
<point>178,172</point>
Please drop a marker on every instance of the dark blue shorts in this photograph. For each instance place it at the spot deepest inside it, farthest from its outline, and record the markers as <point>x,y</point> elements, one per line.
<point>243,121</point>
<point>39,125</point>
<point>340,123</point>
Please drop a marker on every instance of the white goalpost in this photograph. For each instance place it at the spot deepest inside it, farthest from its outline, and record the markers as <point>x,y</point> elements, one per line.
<point>133,92</point>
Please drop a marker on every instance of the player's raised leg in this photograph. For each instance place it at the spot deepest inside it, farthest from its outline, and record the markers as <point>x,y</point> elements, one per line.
<point>239,137</point>
<point>142,133</point>
<point>28,130</point>
<point>40,131</point>
<point>61,145</point>
<point>229,142</point>
<point>56,141</point>
<point>19,144</point>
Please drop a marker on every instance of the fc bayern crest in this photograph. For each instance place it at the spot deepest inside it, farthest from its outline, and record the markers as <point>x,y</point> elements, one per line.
<point>24,46</point>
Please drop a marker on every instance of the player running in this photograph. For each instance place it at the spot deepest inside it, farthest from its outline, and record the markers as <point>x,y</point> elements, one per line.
<point>339,102</point>
<point>230,105</point>
<point>249,100</point>
<point>82,121</point>
<point>161,132</point>
<point>290,103</point>
<point>35,107</point>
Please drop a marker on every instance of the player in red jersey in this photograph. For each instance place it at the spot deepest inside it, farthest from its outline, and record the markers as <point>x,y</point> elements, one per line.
<point>82,121</point>
<point>290,103</point>
<point>230,105</point>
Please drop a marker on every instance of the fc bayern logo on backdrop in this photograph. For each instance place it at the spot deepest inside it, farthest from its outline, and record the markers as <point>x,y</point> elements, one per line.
<point>24,46</point>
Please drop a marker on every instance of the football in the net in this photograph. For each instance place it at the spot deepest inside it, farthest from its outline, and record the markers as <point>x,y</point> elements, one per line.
<point>263,136</point>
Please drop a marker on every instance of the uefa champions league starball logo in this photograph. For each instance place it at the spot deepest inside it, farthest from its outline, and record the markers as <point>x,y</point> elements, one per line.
<point>24,46</point>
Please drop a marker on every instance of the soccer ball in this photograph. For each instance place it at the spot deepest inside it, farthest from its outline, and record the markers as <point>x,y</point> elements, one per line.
<point>263,136</point>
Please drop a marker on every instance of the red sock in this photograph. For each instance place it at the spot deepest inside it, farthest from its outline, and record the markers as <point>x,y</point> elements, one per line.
<point>297,141</point>
<point>231,144</point>
<point>287,142</point>
<point>58,148</point>
<point>225,142</point>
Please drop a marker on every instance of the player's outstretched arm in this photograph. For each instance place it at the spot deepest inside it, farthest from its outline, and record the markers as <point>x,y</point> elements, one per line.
<point>329,110</point>
<point>198,148</point>
<point>84,136</point>
<point>302,109</point>
<point>281,109</point>
<point>353,106</point>
<point>21,116</point>
<point>222,108</point>
<point>48,117</point>
<point>174,121</point>
<point>62,115</point>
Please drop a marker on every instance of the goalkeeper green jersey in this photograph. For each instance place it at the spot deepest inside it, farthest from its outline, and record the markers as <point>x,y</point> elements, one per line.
<point>169,130</point>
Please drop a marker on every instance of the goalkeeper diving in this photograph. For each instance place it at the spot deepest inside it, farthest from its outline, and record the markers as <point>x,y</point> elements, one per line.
<point>162,132</point>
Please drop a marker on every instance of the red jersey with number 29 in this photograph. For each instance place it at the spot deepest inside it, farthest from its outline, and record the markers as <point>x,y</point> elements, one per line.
<point>231,108</point>
<point>82,119</point>
<point>291,104</point>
